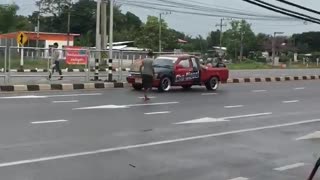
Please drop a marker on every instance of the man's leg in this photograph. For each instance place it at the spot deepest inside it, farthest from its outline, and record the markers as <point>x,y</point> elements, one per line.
<point>51,73</point>
<point>59,70</point>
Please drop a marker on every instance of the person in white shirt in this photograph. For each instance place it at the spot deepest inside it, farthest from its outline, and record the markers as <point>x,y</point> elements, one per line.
<point>55,58</point>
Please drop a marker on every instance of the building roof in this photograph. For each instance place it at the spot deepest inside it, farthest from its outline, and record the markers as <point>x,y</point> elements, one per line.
<point>42,35</point>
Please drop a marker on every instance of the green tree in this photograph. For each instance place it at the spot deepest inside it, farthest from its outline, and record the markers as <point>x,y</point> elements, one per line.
<point>213,39</point>
<point>149,34</point>
<point>8,18</point>
<point>240,31</point>
<point>53,7</point>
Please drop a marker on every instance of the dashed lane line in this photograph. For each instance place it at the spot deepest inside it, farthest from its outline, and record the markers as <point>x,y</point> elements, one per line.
<point>71,101</point>
<point>290,166</point>
<point>291,101</point>
<point>234,106</point>
<point>161,112</point>
<point>46,122</point>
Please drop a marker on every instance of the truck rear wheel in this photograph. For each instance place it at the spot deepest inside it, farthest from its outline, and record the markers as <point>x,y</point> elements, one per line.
<point>137,87</point>
<point>212,84</point>
<point>165,84</point>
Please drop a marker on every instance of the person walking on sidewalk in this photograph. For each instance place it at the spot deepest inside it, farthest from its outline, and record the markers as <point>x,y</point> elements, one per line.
<point>55,59</point>
<point>147,74</point>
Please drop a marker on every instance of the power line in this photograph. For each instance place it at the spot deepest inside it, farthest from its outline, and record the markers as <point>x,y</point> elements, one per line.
<point>148,5</point>
<point>300,14</point>
<point>217,9</point>
<point>281,12</point>
<point>298,6</point>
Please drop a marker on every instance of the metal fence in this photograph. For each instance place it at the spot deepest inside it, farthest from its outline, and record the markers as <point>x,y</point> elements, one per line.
<point>30,60</point>
<point>3,63</point>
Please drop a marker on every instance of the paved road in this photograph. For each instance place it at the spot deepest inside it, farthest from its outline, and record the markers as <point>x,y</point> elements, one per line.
<point>247,132</point>
<point>31,79</point>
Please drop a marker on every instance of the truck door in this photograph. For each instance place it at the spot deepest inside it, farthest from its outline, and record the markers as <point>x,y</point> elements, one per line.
<point>195,73</point>
<point>182,69</point>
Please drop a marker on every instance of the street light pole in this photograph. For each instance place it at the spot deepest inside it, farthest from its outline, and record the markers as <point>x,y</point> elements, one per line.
<point>273,46</point>
<point>68,31</point>
<point>160,29</point>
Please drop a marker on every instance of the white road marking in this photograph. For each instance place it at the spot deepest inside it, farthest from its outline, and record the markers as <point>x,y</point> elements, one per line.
<point>299,88</point>
<point>291,166</point>
<point>235,106</point>
<point>222,119</point>
<point>71,101</point>
<point>203,120</point>
<point>51,121</point>
<point>314,135</point>
<point>48,158</point>
<point>24,97</point>
<point>208,94</point>
<point>248,115</point>
<point>151,97</point>
<point>72,95</point>
<point>260,90</point>
<point>124,106</point>
<point>291,101</point>
<point>153,113</point>
<point>49,96</point>
<point>239,178</point>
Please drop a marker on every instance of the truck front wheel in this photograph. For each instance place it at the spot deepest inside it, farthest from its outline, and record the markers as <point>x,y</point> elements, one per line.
<point>212,84</point>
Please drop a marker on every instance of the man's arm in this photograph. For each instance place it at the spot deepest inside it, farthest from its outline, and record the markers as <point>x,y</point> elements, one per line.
<point>140,68</point>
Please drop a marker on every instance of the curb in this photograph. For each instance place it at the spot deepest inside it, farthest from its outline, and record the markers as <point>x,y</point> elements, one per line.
<point>273,79</point>
<point>65,70</point>
<point>62,87</point>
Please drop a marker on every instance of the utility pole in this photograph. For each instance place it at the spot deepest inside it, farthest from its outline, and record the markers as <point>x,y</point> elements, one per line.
<point>98,41</point>
<point>241,45</point>
<point>160,29</point>
<point>110,42</point>
<point>38,28</point>
<point>221,25</point>
<point>103,25</point>
<point>68,30</point>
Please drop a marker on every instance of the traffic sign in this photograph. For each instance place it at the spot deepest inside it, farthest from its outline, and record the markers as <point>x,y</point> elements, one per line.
<point>22,38</point>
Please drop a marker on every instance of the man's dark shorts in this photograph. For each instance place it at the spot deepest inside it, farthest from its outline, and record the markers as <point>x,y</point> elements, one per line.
<point>147,81</point>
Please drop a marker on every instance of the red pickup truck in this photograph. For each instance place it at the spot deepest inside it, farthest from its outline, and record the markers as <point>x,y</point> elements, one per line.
<point>180,70</point>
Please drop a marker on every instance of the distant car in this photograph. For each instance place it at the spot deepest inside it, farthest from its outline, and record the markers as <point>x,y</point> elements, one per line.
<point>180,70</point>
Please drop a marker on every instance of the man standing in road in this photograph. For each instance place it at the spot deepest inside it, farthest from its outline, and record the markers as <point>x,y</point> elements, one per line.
<point>147,74</point>
<point>55,58</point>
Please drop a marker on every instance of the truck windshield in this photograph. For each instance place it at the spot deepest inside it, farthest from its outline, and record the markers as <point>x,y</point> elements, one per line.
<point>163,62</point>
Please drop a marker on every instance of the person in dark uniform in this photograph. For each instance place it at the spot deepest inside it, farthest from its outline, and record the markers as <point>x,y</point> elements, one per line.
<point>220,63</point>
<point>147,73</point>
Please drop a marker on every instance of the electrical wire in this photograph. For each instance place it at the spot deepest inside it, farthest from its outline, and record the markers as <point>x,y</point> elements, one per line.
<point>281,12</point>
<point>299,6</point>
<point>200,12</point>
<point>300,14</point>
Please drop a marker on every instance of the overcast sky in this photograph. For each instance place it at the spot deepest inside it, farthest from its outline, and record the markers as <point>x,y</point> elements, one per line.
<point>195,25</point>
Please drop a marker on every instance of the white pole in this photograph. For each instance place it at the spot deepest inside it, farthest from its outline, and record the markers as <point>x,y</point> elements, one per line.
<point>111,41</point>
<point>21,60</point>
<point>98,25</point>
<point>98,41</point>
